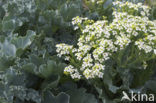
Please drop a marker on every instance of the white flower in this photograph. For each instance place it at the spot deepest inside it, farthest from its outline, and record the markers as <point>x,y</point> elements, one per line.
<point>69,69</point>
<point>122,41</point>
<point>73,72</point>
<point>74,50</point>
<point>84,48</point>
<point>143,13</point>
<point>87,61</point>
<point>67,58</point>
<point>87,73</point>
<point>98,66</point>
<point>63,49</point>
<point>102,41</point>
<point>79,55</point>
<point>142,46</point>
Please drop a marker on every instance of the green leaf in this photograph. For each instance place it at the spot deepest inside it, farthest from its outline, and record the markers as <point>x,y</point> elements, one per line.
<point>29,67</point>
<point>23,42</point>
<point>78,95</point>
<point>103,96</point>
<point>36,60</point>
<point>60,98</point>
<point>8,49</point>
<point>33,95</point>
<point>52,82</point>
<point>151,85</point>
<point>70,10</point>
<point>14,77</point>
<point>8,25</point>
<point>51,68</point>
<point>141,76</point>
<point>108,80</point>
<point>43,69</point>
<point>6,62</point>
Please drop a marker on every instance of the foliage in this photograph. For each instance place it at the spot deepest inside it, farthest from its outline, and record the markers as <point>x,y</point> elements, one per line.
<point>29,30</point>
<point>99,8</point>
<point>31,72</point>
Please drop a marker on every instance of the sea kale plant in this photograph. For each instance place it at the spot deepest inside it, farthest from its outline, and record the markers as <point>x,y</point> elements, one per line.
<point>115,56</point>
<point>29,69</point>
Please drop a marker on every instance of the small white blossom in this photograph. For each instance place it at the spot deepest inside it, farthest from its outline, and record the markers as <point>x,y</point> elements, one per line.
<point>73,72</point>
<point>63,49</point>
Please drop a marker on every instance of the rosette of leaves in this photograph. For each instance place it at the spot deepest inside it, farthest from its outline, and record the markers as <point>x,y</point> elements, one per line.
<point>29,74</point>
<point>114,56</point>
<point>56,15</point>
<point>12,79</point>
<point>46,15</point>
<point>51,17</point>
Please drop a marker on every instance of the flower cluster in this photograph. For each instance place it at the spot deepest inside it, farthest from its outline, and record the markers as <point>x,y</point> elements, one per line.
<point>101,41</point>
<point>131,8</point>
<point>77,21</point>
<point>64,49</point>
<point>72,71</point>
